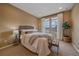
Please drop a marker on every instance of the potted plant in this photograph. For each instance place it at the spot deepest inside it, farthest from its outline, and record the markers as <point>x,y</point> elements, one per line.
<point>66,31</point>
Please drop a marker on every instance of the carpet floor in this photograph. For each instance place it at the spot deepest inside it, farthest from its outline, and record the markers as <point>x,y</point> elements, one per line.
<point>65,49</point>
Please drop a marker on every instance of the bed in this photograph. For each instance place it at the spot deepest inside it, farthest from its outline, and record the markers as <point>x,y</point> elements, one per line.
<point>35,41</point>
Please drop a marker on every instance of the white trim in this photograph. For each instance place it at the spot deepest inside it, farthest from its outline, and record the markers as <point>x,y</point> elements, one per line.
<point>6,46</point>
<point>76,48</point>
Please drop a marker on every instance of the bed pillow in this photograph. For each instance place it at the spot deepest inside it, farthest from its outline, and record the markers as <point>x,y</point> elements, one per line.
<point>29,31</point>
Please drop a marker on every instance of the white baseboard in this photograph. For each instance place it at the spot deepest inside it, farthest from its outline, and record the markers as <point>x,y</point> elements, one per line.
<point>76,48</point>
<point>6,46</point>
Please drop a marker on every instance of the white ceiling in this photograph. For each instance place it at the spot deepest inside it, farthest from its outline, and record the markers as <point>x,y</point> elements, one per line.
<point>43,9</point>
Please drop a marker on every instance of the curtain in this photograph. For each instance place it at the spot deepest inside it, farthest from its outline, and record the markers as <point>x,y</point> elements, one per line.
<point>60,29</point>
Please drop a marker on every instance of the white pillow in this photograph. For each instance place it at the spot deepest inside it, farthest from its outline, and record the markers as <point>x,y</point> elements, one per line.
<point>29,31</point>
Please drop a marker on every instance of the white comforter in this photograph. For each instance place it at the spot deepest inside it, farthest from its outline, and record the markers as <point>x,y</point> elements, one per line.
<point>36,44</point>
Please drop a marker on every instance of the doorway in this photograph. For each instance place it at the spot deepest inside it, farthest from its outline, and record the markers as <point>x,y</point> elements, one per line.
<point>50,25</point>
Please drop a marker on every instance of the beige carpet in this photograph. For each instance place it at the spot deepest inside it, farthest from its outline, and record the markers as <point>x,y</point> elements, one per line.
<point>66,49</point>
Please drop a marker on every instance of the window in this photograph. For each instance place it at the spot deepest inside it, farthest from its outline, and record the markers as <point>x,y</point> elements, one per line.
<point>54,22</point>
<point>49,25</point>
<point>46,23</point>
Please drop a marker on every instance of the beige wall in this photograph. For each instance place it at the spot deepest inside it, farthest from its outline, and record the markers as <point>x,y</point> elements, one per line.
<point>67,16</point>
<point>12,17</point>
<point>75,32</point>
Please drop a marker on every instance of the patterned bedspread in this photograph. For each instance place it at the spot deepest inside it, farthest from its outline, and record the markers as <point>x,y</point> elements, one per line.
<point>32,40</point>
